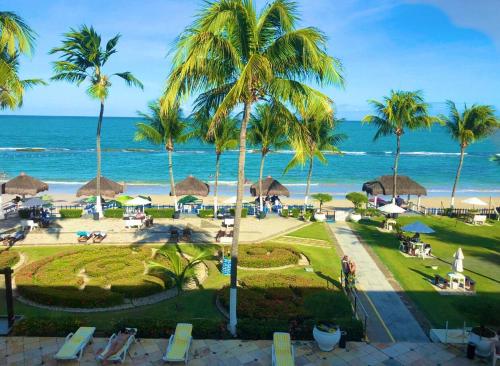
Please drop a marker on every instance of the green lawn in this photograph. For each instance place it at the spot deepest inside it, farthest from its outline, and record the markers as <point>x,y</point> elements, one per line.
<point>316,230</point>
<point>481,248</point>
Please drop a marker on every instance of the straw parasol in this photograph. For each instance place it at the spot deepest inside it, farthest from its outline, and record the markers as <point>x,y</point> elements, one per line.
<point>391,208</point>
<point>109,188</point>
<point>458,263</point>
<point>24,185</point>
<point>192,186</point>
<point>270,187</point>
<point>384,186</point>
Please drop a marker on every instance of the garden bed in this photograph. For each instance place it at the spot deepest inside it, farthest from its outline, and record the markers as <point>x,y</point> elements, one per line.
<point>9,258</point>
<point>266,256</point>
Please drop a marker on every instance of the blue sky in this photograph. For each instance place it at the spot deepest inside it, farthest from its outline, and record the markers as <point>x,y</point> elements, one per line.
<point>448,49</point>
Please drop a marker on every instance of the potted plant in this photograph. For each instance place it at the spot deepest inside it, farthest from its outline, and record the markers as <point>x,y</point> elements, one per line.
<point>482,336</point>
<point>322,198</point>
<point>357,199</point>
<point>326,335</point>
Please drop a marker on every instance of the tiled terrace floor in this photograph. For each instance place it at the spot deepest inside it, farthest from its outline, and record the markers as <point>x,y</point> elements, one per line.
<point>39,351</point>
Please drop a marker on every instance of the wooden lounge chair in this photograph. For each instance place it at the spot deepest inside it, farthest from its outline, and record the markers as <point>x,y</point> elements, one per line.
<point>11,239</point>
<point>84,236</point>
<point>282,350</point>
<point>99,237</point>
<point>179,344</point>
<point>122,353</point>
<point>75,344</point>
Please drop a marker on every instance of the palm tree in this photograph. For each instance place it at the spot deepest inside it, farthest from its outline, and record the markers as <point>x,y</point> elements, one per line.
<point>473,124</point>
<point>236,56</point>
<point>163,129</point>
<point>315,138</point>
<point>16,38</point>
<point>400,112</point>
<point>82,58</point>
<point>224,137</point>
<point>267,131</point>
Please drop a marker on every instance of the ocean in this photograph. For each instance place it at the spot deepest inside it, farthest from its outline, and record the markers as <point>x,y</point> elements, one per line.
<point>61,151</point>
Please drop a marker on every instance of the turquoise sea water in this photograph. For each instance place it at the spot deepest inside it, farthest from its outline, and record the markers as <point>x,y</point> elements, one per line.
<point>61,151</point>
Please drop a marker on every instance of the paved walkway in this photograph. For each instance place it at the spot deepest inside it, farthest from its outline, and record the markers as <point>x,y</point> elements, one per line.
<point>32,351</point>
<point>394,315</point>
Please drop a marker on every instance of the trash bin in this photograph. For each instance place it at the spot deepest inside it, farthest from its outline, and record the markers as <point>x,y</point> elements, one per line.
<point>471,350</point>
<point>343,339</point>
<point>96,216</point>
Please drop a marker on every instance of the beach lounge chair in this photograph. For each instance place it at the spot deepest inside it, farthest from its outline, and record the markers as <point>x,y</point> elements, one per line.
<point>179,343</point>
<point>11,239</point>
<point>282,350</point>
<point>122,352</point>
<point>84,236</point>
<point>99,236</point>
<point>75,344</point>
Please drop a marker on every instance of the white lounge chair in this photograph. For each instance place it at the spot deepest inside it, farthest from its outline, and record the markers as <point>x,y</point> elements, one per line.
<point>479,219</point>
<point>283,353</point>
<point>179,344</point>
<point>75,344</point>
<point>122,353</point>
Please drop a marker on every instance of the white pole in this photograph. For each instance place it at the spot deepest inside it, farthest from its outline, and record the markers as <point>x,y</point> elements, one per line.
<point>375,199</point>
<point>98,206</point>
<point>418,203</point>
<point>2,216</point>
<point>215,207</point>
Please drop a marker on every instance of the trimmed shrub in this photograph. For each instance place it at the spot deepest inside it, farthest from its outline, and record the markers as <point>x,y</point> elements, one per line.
<point>160,213</point>
<point>357,198</point>
<point>244,212</point>
<point>284,213</point>
<point>114,213</point>
<point>307,216</point>
<point>9,258</point>
<point>206,213</point>
<point>70,213</point>
<point>265,256</point>
<point>24,213</point>
<point>295,213</point>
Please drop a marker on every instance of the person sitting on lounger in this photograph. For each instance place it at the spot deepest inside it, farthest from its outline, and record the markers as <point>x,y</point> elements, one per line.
<point>118,343</point>
<point>416,238</point>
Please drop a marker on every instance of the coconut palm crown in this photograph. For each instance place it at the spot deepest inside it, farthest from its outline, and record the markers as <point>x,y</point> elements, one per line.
<point>236,56</point>
<point>473,124</point>
<point>82,57</point>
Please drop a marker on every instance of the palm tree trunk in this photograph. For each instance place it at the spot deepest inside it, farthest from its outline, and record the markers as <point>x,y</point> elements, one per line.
<point>308,184</point>
<point>216,184</point>
<point>98,205</point>
<point>261,202</point>
<point>237,220</point>
<point>170,149</point>
<point>395,169</point>
<point>457,177</point>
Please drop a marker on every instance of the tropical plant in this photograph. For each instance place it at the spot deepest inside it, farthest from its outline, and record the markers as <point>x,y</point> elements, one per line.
<point>473,124</point>
<point>82,58</point>
<point>236,56</point>
<point>224,137</point>
<point>180,271</point>
<point>163,129</point>
<point>316,137</point>
<point>357,199</point>
<point>268,128</point>
<point>16,38</point>
<point>401,111</point>
<point>322,198</point>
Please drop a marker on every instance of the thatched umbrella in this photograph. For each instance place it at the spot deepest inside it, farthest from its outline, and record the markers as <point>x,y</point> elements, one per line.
<point>192,186</point>
<point>384,186</point>
<point>24,185</point>
<point>109,188</point>
<point>270,187</point>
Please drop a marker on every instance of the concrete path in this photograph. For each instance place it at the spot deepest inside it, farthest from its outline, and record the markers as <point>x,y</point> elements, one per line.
<point>371,281</point>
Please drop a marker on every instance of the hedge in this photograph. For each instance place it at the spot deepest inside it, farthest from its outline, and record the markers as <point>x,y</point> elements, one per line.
<point>114,213</point>
<point>160,213</point>
<point>244,212</point>
<point>206,213</point>
<point>9,258</point>
<point>295,213</point>
<point>265,256</point>
<point>70,213</point>
<point>284,213</point>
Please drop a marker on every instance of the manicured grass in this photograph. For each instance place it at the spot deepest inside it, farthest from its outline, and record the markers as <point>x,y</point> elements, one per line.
<point>481,248</point>
<point>316,230</point>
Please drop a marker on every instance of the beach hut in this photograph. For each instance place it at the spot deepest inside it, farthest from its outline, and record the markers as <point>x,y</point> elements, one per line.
<point>384,185</point>
<point>192,186</point>
<point>21,185</point>
<point>270,187</point>
<point>109,188</point>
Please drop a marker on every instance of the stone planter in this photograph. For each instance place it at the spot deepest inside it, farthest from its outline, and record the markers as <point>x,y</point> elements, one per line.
<point>326,340</point>
<point>354,217</point>
<point>320,217</point>
<point>483,343</point>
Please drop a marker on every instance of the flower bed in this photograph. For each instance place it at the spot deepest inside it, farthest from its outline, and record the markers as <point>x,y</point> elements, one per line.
<point>266,256</point>
<point>9,258</point>
<point>90,277</point>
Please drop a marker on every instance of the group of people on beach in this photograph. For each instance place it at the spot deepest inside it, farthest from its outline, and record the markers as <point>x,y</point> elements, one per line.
<point>268,202</point>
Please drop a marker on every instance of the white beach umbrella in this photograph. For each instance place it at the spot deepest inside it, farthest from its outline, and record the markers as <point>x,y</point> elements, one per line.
<point>232,201</point>
<point>458,265</point>
<point>474,201</point>
<point>138,201</point>
<point>391,208</point>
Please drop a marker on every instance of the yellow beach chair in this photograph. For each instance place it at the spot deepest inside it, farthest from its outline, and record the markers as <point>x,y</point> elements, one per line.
<point>179,343</point>
<point>283,353</point>
<point>75,344</point>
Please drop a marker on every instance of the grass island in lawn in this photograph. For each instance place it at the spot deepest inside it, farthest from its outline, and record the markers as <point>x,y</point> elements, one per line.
<point>481,248</point>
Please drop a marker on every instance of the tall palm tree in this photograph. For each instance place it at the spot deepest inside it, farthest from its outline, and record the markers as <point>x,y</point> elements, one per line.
<point>224,137</point>
<point>267,131</point>
<point>237,56</point>
<point>401,111</point>
<point>15,35</point>
<point>312,141</point>
<point>473,124</point>
<point>163,129</point>
<point>82,58</point>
